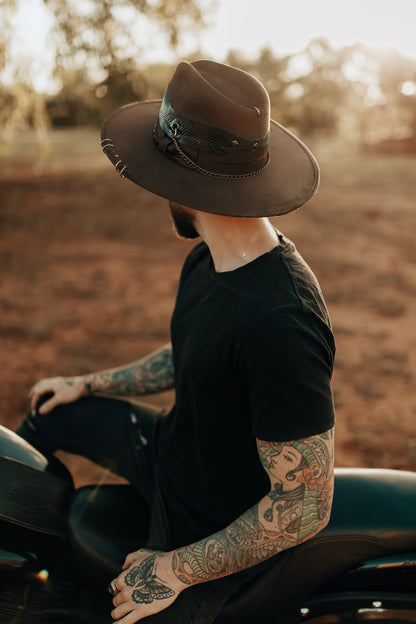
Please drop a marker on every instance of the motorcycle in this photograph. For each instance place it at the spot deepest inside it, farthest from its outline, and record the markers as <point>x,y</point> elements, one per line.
<point>360,568</point>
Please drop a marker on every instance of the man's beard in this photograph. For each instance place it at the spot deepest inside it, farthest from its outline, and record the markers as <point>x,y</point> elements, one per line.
<point>183,221</point>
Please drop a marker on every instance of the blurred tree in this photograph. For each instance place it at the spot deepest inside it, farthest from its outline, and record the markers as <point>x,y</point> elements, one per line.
<point>305,88</point>
<point>100,34</point>
<point>95,40</point>
<point>397,75</point>
<point>356,93</point>
<point>8,9</point>
<point>382,91</point>
<point>75,104</point>
<point>324,88</point>
<point>19,103</point>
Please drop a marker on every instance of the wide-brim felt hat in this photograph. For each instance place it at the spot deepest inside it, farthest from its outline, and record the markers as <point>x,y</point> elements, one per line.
<point>210,145</point>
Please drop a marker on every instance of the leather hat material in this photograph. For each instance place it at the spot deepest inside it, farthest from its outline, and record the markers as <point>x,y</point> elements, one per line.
<point>210,145</point>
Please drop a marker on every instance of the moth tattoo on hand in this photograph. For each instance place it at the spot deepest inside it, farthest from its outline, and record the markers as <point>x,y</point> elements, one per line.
<point>148,586</point>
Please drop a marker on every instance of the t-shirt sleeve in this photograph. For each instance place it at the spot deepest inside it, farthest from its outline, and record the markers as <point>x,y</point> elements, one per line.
<point>287,363</point>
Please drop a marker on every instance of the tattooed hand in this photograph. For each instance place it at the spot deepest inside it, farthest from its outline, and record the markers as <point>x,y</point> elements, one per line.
<point>146,586</point>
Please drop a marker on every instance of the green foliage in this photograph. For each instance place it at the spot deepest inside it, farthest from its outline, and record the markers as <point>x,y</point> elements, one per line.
<point>92,41</point>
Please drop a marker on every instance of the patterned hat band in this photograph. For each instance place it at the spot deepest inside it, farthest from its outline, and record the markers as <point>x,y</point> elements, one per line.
<point>207,150</point>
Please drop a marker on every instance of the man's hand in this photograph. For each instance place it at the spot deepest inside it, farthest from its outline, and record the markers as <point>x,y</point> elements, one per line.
<point>63,390</point>
<point>146,586</point>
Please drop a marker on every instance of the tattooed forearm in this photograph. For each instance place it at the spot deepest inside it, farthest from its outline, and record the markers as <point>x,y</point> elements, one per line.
<point>151,374</point>
<point>243,544</point>
<point>296,508</point>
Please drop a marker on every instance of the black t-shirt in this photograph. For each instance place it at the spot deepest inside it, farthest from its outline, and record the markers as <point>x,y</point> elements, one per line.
<point>253,356</point>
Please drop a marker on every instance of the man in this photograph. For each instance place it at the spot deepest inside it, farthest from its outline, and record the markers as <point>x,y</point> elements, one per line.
<point>241,468</point>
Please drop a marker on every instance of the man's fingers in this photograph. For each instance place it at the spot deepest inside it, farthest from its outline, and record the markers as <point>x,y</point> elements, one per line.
<point>48,406</point>
<point>120,598</point>
<point>123,610</point>
<point>129,560</point>
<point>34,396</point>
<point>38,391</point>
<point>35,401</point>
<point>131,618</point>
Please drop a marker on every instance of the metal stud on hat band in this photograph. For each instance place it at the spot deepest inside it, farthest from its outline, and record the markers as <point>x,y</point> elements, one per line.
<point>201,137</point>
<point>221,176</point>
<point>208,150</point>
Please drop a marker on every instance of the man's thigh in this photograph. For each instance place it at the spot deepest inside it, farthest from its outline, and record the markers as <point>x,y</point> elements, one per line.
<point>109,432</point>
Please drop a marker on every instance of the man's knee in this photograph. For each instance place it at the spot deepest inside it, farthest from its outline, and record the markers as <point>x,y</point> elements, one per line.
<point>47,431</point>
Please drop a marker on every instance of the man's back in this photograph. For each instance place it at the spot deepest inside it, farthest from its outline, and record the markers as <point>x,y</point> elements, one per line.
<point>253,354</point>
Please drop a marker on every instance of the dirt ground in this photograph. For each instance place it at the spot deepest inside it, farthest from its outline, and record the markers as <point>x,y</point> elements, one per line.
<point>90,268</point>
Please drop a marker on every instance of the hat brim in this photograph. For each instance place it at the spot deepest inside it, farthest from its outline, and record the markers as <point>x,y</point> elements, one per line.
<point>289,180</point>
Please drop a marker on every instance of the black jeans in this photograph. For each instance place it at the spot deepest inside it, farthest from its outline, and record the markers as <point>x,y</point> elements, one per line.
<point>121,437</point>
<point>111,433</point>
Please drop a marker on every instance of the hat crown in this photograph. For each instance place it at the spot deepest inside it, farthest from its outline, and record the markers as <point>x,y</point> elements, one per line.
<point>222,97</point>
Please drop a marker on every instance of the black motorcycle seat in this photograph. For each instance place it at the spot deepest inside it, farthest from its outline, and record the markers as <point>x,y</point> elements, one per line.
<point>373,514</point>
<point>105,523</point>
<point>33,506</point>
<point>34,496</point>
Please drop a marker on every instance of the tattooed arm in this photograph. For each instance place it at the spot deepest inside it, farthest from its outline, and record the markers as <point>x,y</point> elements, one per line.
<point>296,508</point>
<point>153,373</point>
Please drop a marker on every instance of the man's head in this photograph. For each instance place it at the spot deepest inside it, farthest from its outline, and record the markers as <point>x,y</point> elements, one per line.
<point>210,144</point>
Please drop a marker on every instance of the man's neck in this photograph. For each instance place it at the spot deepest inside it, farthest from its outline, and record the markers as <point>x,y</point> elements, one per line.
<point>235,241</point>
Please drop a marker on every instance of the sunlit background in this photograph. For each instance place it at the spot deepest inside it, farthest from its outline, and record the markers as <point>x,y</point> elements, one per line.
<point>345,69</point>
<point>69,63</point>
